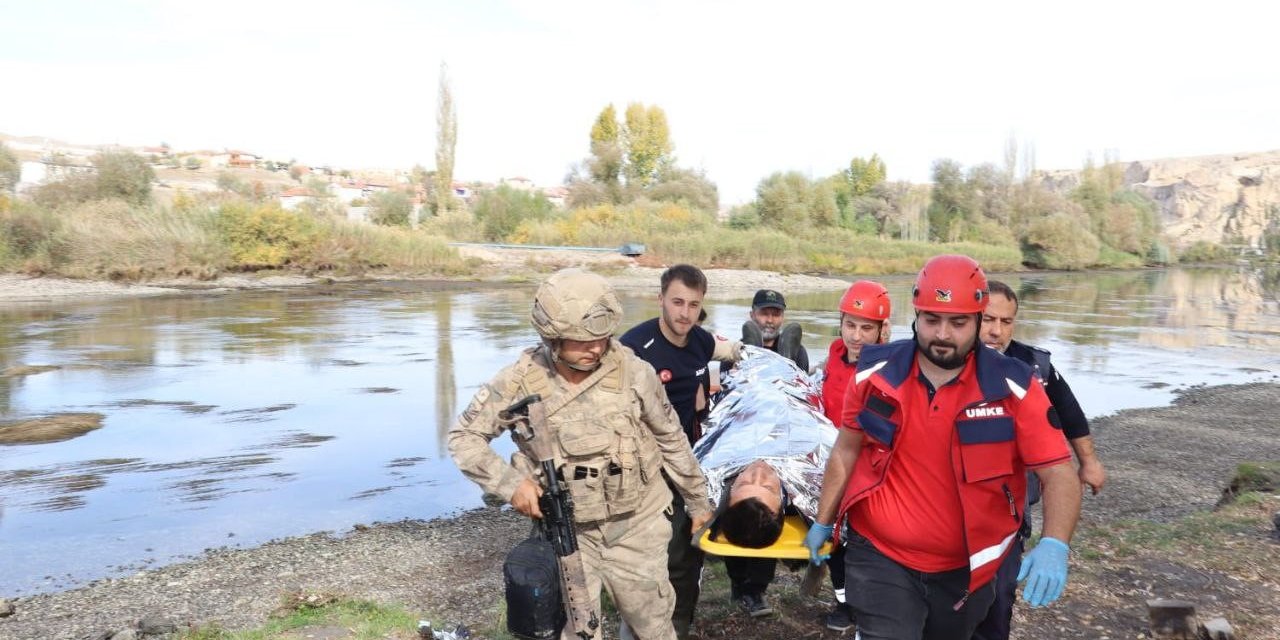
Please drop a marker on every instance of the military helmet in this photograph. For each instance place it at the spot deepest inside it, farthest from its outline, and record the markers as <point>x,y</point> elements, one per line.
<point>576,305</point>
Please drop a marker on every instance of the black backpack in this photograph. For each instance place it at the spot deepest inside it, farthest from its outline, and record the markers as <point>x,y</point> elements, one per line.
<point>532,578</point>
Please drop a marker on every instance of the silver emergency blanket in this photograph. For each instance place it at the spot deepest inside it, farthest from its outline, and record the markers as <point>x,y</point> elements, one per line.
<point>769,410</point>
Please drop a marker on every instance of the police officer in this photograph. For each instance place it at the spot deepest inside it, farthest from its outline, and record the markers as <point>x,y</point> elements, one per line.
<point>998,324</point>
<point>615,434</point>
<point>928,474</point>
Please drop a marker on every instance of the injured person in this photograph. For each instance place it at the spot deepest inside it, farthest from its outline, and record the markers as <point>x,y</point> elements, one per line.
<point>765,444</point>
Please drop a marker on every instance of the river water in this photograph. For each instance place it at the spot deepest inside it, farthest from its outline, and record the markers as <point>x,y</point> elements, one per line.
<point>232,419</point>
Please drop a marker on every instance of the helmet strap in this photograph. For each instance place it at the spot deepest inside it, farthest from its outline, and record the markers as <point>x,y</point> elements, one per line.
<point>553,347</point>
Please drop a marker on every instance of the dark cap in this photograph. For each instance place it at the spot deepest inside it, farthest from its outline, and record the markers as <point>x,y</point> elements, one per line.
<point>768,298</point>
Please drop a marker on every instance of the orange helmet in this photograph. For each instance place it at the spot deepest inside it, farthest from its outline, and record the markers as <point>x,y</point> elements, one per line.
<point>950,284</point>
<point>866,299</point>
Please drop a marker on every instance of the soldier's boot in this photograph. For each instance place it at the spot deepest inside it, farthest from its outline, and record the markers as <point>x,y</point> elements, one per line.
<point>789,340</point>
<point>751,334</point>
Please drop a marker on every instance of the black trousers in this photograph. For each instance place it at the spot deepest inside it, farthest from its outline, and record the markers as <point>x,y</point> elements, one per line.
<point>684,566</point>
<point>996,625</point>
<point>891,602</point>
<point>749,576</point>
<point>835,564</point>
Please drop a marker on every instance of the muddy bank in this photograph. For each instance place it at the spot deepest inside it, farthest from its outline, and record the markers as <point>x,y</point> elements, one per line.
<point>1165,464</point>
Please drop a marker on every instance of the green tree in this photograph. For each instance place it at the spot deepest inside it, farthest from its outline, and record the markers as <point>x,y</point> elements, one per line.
<point>648,144</point>
<point>605,164</point>
<point>124,175</point>
<point>446,143</point>
<point>949,200</point>
<point>391,208</point>
<point>10,170</point>
<point>500,211</point>
<point>688,187</point>
<point>1059,241</point>
<point>865,175</point>
<point>782,201</point>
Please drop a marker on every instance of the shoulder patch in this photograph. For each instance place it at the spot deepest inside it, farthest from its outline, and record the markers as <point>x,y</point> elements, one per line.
<point>477,403</point>
<point>1053,418</point>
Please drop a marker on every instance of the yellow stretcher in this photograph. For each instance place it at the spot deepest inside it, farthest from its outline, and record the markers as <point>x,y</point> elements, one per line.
<point>789,546</point>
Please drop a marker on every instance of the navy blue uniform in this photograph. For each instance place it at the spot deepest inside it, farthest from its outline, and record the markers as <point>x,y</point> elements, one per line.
<point>682,370</point>
<point>1074,425</point>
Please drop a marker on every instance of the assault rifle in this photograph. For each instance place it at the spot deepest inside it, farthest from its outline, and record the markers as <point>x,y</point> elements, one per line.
<point>528,418</point>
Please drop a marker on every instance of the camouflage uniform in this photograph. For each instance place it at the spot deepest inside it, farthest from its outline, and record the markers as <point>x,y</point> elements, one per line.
<point>615,433</point>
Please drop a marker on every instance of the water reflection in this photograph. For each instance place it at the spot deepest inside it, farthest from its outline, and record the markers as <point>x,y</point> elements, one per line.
<point>278,413</point>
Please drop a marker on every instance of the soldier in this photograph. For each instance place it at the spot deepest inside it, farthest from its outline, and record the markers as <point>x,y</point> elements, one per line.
<point>615,433</point>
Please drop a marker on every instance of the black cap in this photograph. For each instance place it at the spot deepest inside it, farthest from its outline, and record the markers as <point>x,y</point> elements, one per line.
<point>768,298</point>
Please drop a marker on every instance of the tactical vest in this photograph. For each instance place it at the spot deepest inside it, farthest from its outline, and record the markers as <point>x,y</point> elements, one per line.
<point>604,452</point>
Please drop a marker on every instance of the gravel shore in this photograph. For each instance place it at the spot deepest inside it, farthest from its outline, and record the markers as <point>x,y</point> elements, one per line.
<point>1164,463</point>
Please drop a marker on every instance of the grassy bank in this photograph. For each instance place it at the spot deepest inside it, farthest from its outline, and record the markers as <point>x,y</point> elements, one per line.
<point>115,240</point>
<point>674,233</point>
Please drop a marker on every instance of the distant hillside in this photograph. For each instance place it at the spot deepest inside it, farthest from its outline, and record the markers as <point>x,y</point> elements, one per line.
<point>1221,199</point>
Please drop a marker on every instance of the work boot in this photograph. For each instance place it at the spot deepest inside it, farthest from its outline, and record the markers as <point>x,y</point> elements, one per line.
<point>840,618</point>
<point>789,340</point>
<point>755,605</point>
<point>751,334</point>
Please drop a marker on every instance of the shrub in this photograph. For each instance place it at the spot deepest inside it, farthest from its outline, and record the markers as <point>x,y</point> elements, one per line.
<point>1203,251</point>
<point>28,237</point>
<point>390,208</point>
<point>500,211</point>
<point>1059,241</point>
<point>263,235</point>
<point>121,241</point>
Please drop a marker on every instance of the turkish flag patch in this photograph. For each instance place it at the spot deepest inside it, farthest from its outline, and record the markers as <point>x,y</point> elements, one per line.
<point>664,376</point>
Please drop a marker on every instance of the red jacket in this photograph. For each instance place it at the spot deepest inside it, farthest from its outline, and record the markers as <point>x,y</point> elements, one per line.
<point>1003,429</point>
<point>836,381</point>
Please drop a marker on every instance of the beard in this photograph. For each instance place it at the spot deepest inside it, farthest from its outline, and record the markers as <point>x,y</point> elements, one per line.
<point>769,333</point>
<point>953,360</point>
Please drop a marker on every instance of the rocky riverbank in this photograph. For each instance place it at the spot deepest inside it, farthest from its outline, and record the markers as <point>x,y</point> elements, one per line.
<point>1142,537</point>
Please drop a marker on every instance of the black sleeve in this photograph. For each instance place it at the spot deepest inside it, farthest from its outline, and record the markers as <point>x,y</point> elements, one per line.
<point>1074,423</point>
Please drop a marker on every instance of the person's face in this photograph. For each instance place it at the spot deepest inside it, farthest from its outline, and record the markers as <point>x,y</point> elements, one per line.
<point>946,338</point>
<point>680,307</point>
<point>856,331</point>
<point>769,319</point>
<point>998,321</point>
<point>583,354</point>
<point>759,481</point>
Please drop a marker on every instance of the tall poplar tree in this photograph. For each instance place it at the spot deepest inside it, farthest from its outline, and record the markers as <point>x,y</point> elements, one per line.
<point>446,143</point>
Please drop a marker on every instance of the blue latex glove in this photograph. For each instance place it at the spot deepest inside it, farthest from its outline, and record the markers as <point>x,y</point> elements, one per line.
<point>1045,570</point>
<point>818,534</point>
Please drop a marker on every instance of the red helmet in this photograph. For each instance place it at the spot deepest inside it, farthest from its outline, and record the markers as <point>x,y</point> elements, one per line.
<point>950,284</point>
<point>866,299</point>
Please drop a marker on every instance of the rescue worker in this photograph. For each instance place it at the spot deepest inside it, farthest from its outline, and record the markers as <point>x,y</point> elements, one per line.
<point>616,434</point>
<point>679,350</point>
<point>864,320</point>
<point>928,474</point>
<point>998,325</point>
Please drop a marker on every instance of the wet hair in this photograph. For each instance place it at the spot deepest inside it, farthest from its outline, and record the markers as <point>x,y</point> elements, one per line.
<point>995,286</point>
<point>751,524</point>
<point>688,275</point>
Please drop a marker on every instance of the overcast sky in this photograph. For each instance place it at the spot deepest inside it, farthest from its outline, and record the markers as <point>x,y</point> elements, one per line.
<point>749,88</point>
